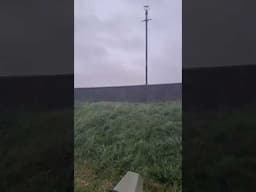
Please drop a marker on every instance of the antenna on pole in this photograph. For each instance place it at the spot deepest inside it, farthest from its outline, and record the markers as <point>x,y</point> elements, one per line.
<point>146,8</point>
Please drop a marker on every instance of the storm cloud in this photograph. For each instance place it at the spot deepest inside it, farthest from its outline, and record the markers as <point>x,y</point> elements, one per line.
<point>110,42</point>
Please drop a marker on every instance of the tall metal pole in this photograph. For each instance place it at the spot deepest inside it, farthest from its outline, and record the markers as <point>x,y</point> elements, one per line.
<point>146,7</point>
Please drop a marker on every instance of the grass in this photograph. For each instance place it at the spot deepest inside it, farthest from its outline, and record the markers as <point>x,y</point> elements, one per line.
<point>113,138</point>
<point>221,155</point>
<point>34,148</point>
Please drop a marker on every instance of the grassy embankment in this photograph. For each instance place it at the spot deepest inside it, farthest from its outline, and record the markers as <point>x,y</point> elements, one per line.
<point>112,138</point>
<point>220,152</point>
<point>34,148</point>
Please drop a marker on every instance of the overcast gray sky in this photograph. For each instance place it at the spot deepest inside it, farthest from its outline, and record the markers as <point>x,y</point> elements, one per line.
<point>110,42</point>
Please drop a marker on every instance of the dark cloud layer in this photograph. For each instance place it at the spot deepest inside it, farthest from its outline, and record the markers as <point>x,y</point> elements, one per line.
<point>34,37</point>
<point>218,33</point>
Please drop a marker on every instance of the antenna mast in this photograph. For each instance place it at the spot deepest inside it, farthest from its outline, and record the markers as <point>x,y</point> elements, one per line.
<point>146,8</point>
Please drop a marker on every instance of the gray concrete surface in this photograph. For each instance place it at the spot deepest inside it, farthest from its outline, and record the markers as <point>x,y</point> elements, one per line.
<point>131,182</point>
<point>139,93</point>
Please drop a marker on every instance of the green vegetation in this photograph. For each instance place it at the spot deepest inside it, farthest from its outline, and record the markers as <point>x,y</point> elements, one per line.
<point>221,153</point>
<point>113,138</point>
<point>34,148</point>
